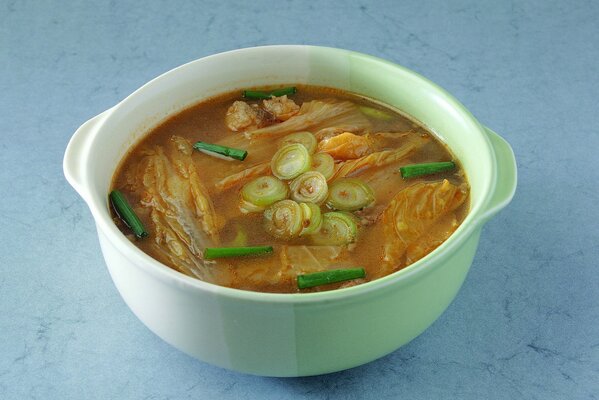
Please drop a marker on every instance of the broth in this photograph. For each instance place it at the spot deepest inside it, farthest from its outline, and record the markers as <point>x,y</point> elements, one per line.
<point>189,200</point>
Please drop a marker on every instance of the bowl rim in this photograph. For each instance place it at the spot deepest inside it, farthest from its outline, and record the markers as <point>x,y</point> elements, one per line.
<point>422,267</point>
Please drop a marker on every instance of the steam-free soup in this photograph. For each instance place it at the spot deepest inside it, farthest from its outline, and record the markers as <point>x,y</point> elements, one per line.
<point>288,190</point>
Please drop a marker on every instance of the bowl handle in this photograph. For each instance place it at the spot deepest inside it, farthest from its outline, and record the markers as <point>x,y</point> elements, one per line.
<point>507,176</point>
<point>73,163</point>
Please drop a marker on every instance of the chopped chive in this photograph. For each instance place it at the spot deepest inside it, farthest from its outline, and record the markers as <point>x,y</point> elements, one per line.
<point>414,170</point>
<point>220,252</point>
<point>257,94</point>
<point>331,276</point>
<point>126,213</point>
<point>222,150</point>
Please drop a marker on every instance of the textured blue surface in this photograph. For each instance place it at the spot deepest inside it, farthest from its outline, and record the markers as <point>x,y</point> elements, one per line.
<point>526,322</point>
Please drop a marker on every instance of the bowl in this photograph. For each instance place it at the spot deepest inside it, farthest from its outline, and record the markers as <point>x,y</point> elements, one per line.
<point>289,334</point>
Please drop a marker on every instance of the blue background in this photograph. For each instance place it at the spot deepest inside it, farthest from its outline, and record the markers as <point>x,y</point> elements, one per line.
<point>526,322</point>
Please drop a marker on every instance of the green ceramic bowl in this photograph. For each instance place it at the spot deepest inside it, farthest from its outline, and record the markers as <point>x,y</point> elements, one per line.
<point>290,334</point>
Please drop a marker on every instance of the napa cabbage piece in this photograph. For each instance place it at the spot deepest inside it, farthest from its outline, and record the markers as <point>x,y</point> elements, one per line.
<point>243,176</point>
<point>299,260</point>
<point>180,206</point>
<point>408,219</point>
<point>266,273</point>
<point>169,246</point>
<point>347,146</point>
<point>380,158</point>
<point>260,150</point>
<point>431,239</point>
<point>329,132</point>
<point>318,114</point>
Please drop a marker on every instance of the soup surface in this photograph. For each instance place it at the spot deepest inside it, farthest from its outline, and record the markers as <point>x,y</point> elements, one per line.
<point>321,184</point>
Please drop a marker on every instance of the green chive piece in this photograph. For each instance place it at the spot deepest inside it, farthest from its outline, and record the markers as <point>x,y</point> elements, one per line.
<point>414,170</point>
<point>220,252</point>
<point>126,213</point>
<point>331,276</point>
<point>257,94</point>
<point>222,150</point>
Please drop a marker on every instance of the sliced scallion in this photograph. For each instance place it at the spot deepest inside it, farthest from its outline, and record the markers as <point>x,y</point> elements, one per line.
<point>305,138</point>
<point>414,170</point>
<point>212,149</point>
<point>349,195</point>
<point>331,276</point>
<point>261,192</point>
<point>126,214</point>
<point>221,252</point>
<point>284,219</point>
<point>323,163</point>
<point>338,228</point>
<point>258,94</point>
<point>312,218</point>
<point>311,186</point>
<point>290,161</point>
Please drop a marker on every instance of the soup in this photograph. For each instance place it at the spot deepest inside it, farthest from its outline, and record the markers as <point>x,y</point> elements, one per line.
<point>289,190</point>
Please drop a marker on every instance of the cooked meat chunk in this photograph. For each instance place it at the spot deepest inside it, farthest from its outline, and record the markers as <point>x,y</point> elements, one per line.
<point>242,117</point>
<point>281,107</point>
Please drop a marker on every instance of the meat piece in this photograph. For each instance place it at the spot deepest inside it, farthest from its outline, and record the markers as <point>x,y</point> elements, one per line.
<point>281,107</point>
<point>241,117</point>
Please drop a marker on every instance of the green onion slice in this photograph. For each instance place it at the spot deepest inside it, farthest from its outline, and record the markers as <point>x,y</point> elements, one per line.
<point>290,161</point>
<point>258,94</point>
<point>375,113</point>
<point>284,219</point>
<point>221,252</point>
<point>261,192</point>
<point>338,228</point>
<point>305,138</point>
<point>216,150</point>
<point>310,186</point>
<point>126,214</point>
<point>330,276</point>
<point>414,170</point>
<point>324,163</point>
<point>349,195</point>
<point>312,218</point>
